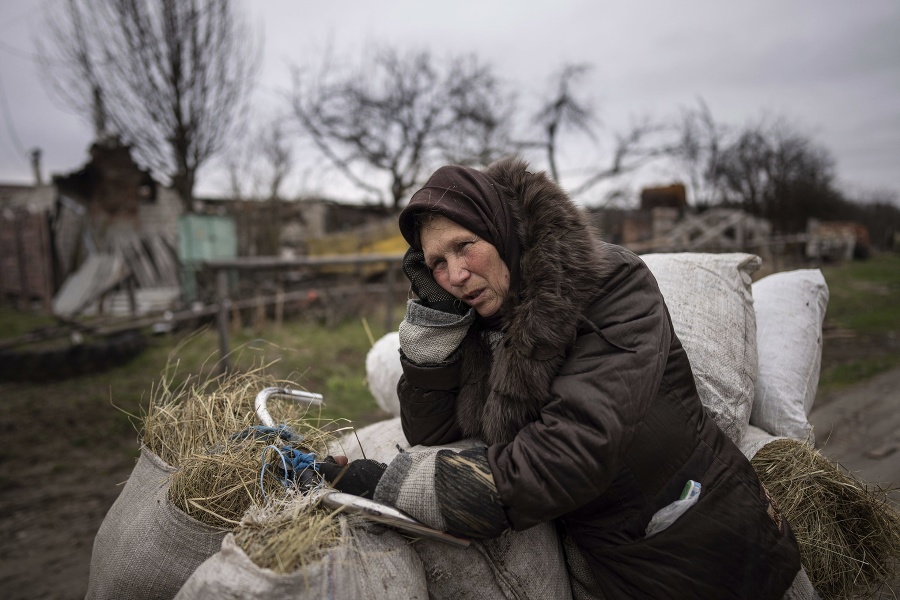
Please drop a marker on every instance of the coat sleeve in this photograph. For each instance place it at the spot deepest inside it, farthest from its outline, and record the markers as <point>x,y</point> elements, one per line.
<point>428,403</point>
<point>606,384</point>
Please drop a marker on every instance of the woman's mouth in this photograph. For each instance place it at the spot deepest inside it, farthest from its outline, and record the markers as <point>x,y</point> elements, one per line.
<point>473,297</point>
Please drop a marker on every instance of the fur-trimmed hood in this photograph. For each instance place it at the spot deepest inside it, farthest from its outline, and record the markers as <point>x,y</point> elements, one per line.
<point>560,268</point>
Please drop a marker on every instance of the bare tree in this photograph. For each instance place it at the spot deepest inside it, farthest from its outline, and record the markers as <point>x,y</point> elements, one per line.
<point>773,170</point>
<point>401,115</point>
<point>279,159</point>
<point>698,151</point>
<point>257,166</point>
<point>644,141</point>
<point>167,76</point>
<point>259,163</point>
<point>564,108</point>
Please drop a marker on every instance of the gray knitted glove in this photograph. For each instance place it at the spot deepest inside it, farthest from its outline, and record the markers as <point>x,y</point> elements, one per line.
<point>446,489</point>
<point>429,336</point>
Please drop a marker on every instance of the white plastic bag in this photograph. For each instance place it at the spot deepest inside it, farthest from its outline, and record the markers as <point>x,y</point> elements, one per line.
<point>667,515</point>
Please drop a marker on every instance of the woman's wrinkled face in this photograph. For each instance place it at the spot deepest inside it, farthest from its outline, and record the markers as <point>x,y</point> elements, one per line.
<point>465,265</point>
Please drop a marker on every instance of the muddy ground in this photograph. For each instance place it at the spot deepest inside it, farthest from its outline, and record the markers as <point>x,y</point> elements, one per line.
<point>58,476</point>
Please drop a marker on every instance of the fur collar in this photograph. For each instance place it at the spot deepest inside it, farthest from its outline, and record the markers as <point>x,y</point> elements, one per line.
<point>560,261</point>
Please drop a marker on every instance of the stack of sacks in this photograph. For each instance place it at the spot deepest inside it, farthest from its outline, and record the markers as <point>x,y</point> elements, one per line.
<point>192,484</point>
<point>147,546</point>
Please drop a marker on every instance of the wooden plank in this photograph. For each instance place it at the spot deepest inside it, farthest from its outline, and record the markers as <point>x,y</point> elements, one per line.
<point>271,262</point>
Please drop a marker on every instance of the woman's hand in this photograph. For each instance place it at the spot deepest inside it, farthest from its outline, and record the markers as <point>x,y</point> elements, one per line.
<point>359,477</point>
<point>424,286</point>
<point>429,336</point>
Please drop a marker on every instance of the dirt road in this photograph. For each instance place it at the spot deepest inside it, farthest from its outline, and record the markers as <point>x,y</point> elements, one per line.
<point>859,427</point>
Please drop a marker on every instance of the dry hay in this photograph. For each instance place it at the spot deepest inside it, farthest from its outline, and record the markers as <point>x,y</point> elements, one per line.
<point>849,534</point>
<point>190,427</point>
<point>288,536</point>
<point>217,487</point>
<point>202,414</point>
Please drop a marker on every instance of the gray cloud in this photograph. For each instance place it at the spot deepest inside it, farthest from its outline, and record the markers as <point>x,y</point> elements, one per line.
<point>832,66</point>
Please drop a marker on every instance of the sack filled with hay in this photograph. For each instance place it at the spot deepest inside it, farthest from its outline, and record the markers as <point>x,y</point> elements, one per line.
<point>146,547</point>
<point>848,532</point>
<point>301,551</point>
<point>190,486</point>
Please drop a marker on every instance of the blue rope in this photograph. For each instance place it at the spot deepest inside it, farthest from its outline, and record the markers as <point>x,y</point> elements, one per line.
<point>293,464</point>
<point>265,465</point>
<point>263,432</point>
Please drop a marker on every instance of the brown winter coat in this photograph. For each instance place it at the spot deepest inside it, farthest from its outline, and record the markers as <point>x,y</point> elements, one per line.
<point>592,416</point>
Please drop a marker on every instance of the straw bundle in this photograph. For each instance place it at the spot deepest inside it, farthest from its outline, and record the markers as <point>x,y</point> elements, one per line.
<point>286,537</point>
<point>218,487</point>
<point>203,414</point>
<point>849,534</point>
<point>191,427</point>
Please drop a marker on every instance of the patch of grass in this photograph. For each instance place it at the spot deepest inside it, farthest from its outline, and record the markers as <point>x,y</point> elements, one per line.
<point>863,295</point>
<point>14,322</point>
<point>843,375</point>
<point>327,361</point>
<point>863,307</point>
<point>100,413</point>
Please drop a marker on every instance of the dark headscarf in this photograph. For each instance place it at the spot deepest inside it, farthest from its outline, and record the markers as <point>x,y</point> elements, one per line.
<point>469,198</point>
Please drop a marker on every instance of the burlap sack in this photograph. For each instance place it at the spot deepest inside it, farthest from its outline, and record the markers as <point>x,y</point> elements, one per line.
<point>372,563</point>
<point>790,307</point>
<point>147,548</point>
<point>710,301</point>
<point>383,371</point>
<point>518,564</point>
<point>802,588</point>
<point>526,564</point>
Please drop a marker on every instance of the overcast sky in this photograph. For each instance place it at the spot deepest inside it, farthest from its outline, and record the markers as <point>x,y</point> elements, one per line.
<point>832,67</point>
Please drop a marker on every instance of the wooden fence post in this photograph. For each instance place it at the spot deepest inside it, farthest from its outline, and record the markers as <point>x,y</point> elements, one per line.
<point>222,318</point>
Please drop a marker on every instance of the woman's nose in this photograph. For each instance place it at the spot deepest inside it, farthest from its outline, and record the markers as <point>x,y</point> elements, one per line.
<point>457,271</point>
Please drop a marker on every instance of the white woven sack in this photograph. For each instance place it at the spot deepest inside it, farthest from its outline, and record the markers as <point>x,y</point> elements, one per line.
<point>790,308</point>
<point>383,371</point>
<point>710,301</point>
<point>146,547</point>
<point>377,441</point>
<point>373,563</point>
<point>754,439</point>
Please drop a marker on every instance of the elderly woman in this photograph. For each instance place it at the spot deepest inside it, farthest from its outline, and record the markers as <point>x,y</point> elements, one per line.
<point>557,351</point>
